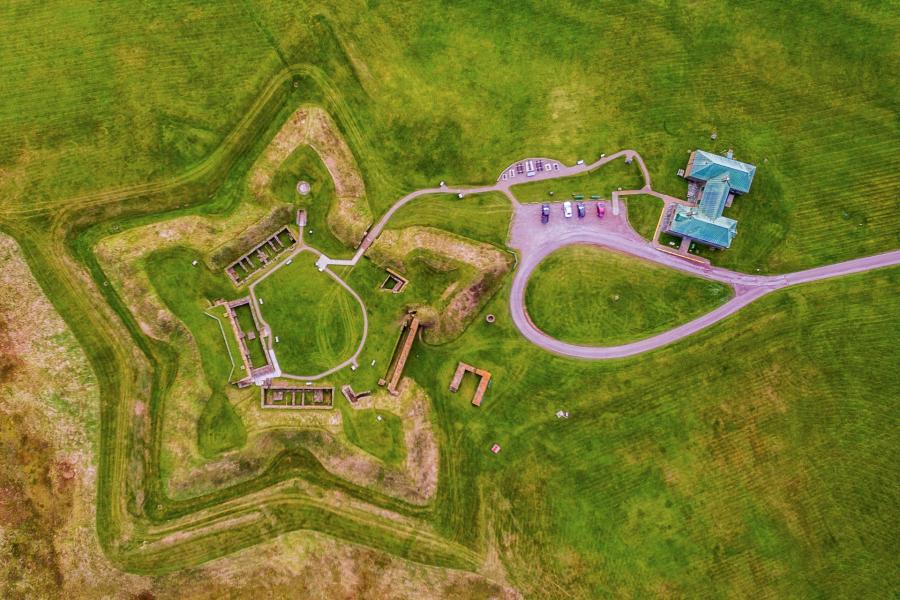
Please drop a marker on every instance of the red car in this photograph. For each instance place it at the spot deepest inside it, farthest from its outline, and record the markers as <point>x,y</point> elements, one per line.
<point>601,209</point>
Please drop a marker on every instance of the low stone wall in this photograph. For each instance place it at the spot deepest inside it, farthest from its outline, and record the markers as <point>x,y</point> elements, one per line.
<point>461,370</point>
<point>307,397</point>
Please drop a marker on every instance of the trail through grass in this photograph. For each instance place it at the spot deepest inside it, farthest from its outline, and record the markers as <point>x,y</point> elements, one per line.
<point>679,457</point>
<point>707,469</point>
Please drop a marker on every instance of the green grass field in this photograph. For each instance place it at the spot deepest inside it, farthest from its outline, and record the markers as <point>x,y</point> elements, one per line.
<point>255,348</point>
<point>188,292</point>
<point>589,295</point>
<point>643,213</point>
<point>318,323</point>
<point>304,164</point>
<point>232,349</point>
<point>755,458</point>
<point>483,217</point>
<point>602,181</point>
<point>688,456</point>
<point>382,439</point>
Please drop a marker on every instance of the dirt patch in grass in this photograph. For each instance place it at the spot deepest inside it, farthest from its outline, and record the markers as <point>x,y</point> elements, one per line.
<point>422,458</point>
<point>463,307</point>
<point>483,269</point>
<point>221,525</point>
<point>398,244</point>
<point>291,135</point>
<point>49,423</point>
<point>325,138</point>
<point>415,480</point>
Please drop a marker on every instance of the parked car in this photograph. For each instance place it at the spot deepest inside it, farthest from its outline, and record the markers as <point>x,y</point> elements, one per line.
<point>601,209</point>
<point>567,209</point>
<point>581,210</point>
<point>545,213</point>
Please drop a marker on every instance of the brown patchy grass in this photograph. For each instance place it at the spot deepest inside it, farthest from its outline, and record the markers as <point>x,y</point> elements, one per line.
<point>350,216</point>
<point>416,480</point>
<point>422,458</point>
<point>187,471</point>
<point>48,420</point>
<point>307,564</point>
<point>484,269</point>
<point>48,544</point>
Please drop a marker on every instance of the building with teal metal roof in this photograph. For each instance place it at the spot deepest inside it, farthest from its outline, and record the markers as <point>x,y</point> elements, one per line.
<point>687,221</point>
<point>704,166</point>
<point>721,178</point>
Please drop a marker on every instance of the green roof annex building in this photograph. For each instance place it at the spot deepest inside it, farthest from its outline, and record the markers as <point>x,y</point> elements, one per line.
<point>721,178</point>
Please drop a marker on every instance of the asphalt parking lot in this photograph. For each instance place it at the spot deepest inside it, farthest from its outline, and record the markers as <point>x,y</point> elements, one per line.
<point>527,225</point>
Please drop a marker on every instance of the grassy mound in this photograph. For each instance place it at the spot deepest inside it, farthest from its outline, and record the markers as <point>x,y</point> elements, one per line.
<point>383,439</point>
<point>482,217</point>
<point>305,165</point>
<point>187,290</point>
<point>587,295</point>
<point>318,322</point>
<point>220,427</point>
<point>758,461</point>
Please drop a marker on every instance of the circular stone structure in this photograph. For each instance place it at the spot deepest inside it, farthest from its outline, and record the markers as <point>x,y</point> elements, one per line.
<point>303,188</point>
<point>490,318</point>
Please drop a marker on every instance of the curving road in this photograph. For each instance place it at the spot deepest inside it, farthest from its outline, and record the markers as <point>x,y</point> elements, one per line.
<point>535,241</point>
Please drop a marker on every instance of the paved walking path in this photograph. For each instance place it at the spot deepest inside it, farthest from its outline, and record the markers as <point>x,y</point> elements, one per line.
<point>503,186</point>
<point>535,241</point>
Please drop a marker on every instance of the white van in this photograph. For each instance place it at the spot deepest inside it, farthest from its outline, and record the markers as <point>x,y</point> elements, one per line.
<point>567,209</point>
